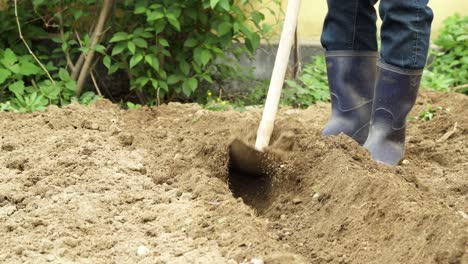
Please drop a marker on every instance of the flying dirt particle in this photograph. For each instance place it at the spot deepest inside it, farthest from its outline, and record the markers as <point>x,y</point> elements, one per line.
<point>405,162</point>
<point>143,251</point>
<point>8,147</point>
<point>463,214</point>
<point>148,217</point>
<point>71,242</point>
<point>297,201</point>
<point>89,125</point>
<point>18,164</point>
<point>257,261</point>
<point>50,258</point>
<point>126,140</point>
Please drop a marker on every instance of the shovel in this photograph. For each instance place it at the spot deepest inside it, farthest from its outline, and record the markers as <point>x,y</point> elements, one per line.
<point>250,160</point>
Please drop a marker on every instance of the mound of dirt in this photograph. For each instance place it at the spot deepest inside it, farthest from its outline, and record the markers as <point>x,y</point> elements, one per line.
<point>103,185</point>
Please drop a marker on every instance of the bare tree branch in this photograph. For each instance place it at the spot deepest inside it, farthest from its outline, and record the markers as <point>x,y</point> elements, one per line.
<point>95,38</point>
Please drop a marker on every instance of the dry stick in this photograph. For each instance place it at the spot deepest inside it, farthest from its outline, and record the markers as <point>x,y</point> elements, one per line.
<point>95,84</point>
<point>106,8</point>
<point>26,44</point>
<point>297,55</point>
<point>67,54</point>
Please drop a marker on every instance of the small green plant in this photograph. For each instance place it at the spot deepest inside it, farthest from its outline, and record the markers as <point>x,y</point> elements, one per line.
<point>25,88</point>
<point>215,103</point>
<point>311,86</point>
<point>449,65</point>
<point>428,113</point>
<point>131,105</point>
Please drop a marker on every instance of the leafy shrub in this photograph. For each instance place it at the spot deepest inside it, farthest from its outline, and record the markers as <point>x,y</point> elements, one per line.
<point>449,66</point>
<point>169,49</point>
<point>26,87</point>
<point>311,86</point>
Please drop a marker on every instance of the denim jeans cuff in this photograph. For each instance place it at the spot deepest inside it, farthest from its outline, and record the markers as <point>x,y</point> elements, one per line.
<point>351,53</point>
<point>399,70</point>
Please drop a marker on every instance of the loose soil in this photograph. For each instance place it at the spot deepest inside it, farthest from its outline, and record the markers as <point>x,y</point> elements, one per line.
<point>104,185</point>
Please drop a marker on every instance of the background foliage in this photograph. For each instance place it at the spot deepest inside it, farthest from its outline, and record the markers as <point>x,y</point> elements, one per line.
<point>448,66</point>
<point>167,50</point>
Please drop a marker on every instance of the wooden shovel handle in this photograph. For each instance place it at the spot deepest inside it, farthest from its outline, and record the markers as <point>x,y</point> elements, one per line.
<point>277,79</point>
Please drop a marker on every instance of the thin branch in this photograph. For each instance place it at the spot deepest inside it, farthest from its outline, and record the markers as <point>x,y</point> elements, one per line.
<point>93,78</point>
<point>79,62</point>
<point>62,36</point>
<point>158,98</point>
<point>95,84</point>
<point>106,8</point>
<point>297,55</point>
<point>27,46</point>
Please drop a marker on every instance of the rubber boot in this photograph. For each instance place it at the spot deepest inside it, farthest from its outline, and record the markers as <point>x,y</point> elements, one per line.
<point>351,77</point>
<point>395,94</point>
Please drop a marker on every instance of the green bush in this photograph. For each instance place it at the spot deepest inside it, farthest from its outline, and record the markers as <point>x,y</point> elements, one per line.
<point>311,86</point>
<point>448,67</point>
<point>169,49</point>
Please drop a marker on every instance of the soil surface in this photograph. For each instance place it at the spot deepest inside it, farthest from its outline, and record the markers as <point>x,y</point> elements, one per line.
<point>104,185</point>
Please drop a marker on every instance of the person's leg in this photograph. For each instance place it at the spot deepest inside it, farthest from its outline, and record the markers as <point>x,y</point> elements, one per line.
<point>405,32</point>
<point>350,25</point>
<point>349,38</point>
<point>405,41</point>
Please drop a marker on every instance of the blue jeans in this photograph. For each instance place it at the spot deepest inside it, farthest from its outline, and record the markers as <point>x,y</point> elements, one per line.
<point>405,32</point>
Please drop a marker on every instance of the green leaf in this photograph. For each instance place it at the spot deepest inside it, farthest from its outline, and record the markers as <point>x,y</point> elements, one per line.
<point>4,74</point>
<point>213,3</point>
<point>164,86</point>
<point>9,58</point>
<point>139,42</point>
<point>100,49</point>
<point>197,55</point>
<point>189,86</point>
<point>28,68</point>
<point>173,79</point>
<point>88,98</point>
<point>205,57</point>
<point>119,36</point>
<point>154,15</point>
<point>155,83</point>
<point>173,21</point>
<point>49,90</point>
<point>64,75</point>
<point>224,28</point>
<point>107,62</point>
<point>184,67</point>
<point>152,61</point>
<point>135,60</point>
<point>37,3</point>
<point>17,88</point>
<point>164,42</point>
<point>225,5</point>
<point>131,47</point>
<point>140,9</point>
<point>119,48</point>
<point>190,43</point>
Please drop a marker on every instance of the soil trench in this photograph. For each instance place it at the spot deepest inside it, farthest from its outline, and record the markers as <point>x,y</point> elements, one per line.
<point>103,185</point>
